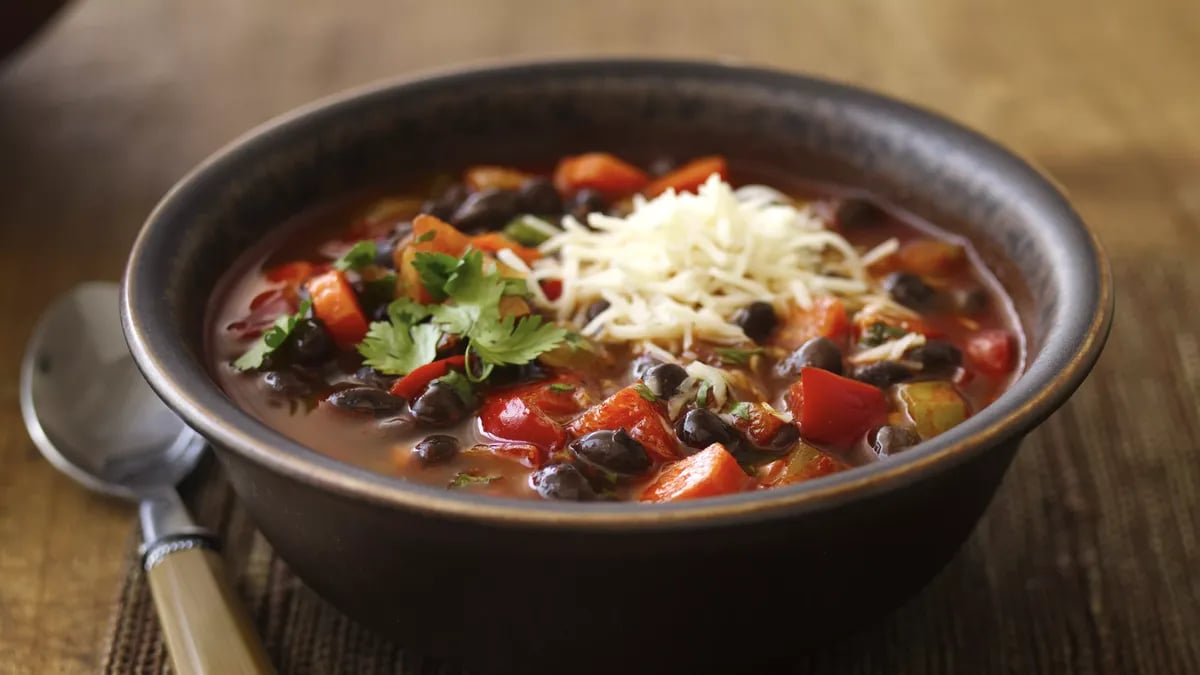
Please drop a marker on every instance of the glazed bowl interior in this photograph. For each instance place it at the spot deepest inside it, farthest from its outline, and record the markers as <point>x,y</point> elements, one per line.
<point>1025,230</point>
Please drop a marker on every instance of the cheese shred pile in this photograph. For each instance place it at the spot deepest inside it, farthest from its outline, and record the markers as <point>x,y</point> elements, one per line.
<point>677,268</point>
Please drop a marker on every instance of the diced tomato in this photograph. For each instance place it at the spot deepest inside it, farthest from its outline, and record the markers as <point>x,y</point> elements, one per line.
<point>689,177</point>
<point>293,274</point>
<point>510,417</point>
<point>493,242</point>
<point>411,385</point>
<point>335,305</point>
<point>992,351</point>
<point>640,418</point>
<point>835,410</point>
<point>552,288</point>
<point>760,424</point>
<point>708,473</point>
<point>599,171</point>
<point>484,176</point>
<point>931,257</point>
<point>826,318</point>
<point>430,235</point>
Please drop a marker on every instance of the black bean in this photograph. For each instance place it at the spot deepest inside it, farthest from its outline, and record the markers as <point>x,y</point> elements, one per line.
<point>584,202</point>
<point>487,210</point>
<point>889,440</point>
<point>439,406</point>
<point>445,204</point>
<point>936,355</point>
<point>856,213</point>
<point>882,374</point>
<point>908,289</point>
<point>756,320</point>
<point>366,401</point>
<point>385,253</point>
<point>369,377</point>
<point>700,428</point>
<point>539,196</point>
<point>784,439</point>
<point>613,451</point>
<point>288,383</point>
<point>562,481</point>
<point>664,379</point>
<point>595,308</point>
<point>818,352</point>
<point>971,301</point>
<point>309,343</point>
<point>435,449</point>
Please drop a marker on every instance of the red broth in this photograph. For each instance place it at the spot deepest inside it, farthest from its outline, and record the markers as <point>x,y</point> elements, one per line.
<point>599,423</point>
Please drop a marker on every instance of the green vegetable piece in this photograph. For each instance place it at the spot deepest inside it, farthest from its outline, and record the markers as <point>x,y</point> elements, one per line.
<point>740,410</point>
<point>529,230</point>
<point>359,256</point>
<point>461,386</point>
<point>272,339</point>
<point>933,407</point>
<point>466,479</point>
<point>879,333</point>
<point>561,387</point>
<point>645,392</point>
<point>702,393</point>
<point>737,357</point>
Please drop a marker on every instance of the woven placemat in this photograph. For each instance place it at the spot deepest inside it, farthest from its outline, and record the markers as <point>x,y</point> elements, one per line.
<point>1088,560</point>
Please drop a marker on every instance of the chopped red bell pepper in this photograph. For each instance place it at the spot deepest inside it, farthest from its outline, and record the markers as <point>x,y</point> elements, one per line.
<point>759,424</point>
<point>835,410</point>
<point>826,318</point>
<point>552,288</point>
<point>510,417</point>
<point>334,304</point>
<point>689,177</point>
<point>708,473</point>
<point>642,419</point>
<point>411,385</point>
<point>992,351</point>
<point>293,273</point>
<point>598,171</point>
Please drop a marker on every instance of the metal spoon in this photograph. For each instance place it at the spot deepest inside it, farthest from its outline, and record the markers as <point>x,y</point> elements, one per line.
<point>92,415</point>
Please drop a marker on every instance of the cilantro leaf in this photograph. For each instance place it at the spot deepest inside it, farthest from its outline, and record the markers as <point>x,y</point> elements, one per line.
<point>514,342</point>
<point>435,270</point>
<point>879,333</point>
<point>461,386</point>
<point>577,342</point>
<point>428,236</point>
<point>740,410</point>
<point>561,387</point>
<point>645,392</point>
<point>468,285</point>
<point>466,479</point>
<point>403,311</point>
<point>359,256</point>
<point>739,357</point>
<point>398,349</point>
<point>272,339</point>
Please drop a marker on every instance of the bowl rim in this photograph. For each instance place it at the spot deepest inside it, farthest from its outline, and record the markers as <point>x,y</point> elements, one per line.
<point>223,422</point>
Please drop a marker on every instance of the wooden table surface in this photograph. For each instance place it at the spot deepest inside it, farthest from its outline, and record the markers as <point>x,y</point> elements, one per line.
<point>118,98</point>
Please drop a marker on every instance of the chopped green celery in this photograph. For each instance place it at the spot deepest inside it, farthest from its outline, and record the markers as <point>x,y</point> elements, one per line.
<point>934,407</point>
<point>529,230</point>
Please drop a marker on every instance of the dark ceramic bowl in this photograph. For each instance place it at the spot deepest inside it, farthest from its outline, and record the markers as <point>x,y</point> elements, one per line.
<point>527,586</point>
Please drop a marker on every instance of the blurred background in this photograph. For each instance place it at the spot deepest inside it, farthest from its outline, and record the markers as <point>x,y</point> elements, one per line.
<point>114,100</point>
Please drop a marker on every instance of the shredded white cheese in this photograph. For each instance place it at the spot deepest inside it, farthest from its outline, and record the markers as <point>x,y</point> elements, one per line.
<point>892,350</point>
<point>678,266</point>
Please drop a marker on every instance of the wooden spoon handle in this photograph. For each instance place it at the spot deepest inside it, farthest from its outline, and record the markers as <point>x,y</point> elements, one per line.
<point>206,627</point>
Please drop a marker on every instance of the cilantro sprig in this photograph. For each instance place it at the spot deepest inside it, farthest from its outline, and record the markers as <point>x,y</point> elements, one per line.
<point>737,357</point>
<point>879,333</point>
<point>359,256</point>
<point>272,338</point>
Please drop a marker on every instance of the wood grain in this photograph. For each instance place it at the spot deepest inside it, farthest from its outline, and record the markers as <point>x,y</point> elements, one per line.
<point>118,98</point>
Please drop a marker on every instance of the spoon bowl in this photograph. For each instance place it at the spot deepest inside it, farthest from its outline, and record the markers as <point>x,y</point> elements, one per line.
<point>90,412</point>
